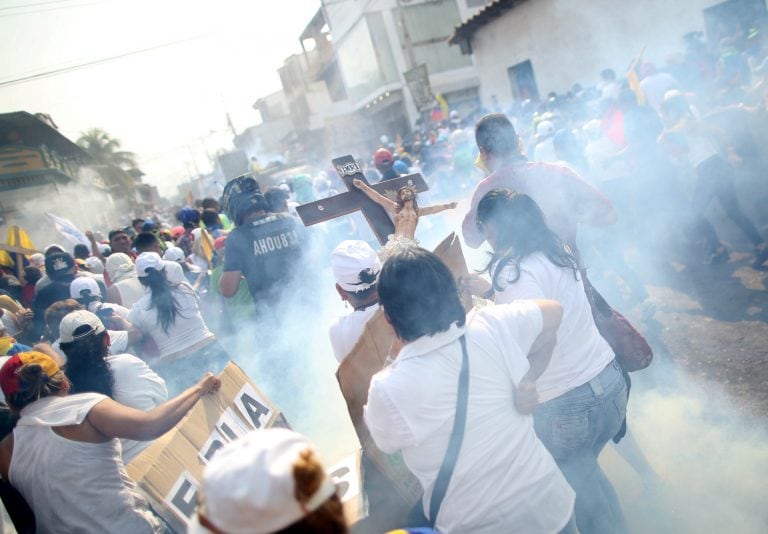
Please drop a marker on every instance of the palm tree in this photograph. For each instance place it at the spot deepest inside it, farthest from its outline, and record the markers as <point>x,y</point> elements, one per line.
<point>105,149</point>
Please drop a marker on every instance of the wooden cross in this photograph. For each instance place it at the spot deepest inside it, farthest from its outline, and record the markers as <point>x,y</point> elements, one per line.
<point>18,252</point>
<point>353,199</point>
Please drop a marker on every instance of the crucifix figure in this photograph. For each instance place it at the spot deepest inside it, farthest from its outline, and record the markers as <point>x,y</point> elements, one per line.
<point>356,199</point>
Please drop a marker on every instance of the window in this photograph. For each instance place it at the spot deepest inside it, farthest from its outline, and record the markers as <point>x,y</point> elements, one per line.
<point>523,81</point>
<point>429,26</point>
<point>365,56</point>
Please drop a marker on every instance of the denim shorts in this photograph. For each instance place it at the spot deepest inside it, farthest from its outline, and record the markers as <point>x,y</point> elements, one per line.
<point>584,418</point>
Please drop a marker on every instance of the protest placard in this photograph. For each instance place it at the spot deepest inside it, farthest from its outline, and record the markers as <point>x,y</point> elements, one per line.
<point>170,470</point>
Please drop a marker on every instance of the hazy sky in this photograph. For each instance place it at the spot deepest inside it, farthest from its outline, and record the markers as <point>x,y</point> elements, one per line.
<point>166,105</point>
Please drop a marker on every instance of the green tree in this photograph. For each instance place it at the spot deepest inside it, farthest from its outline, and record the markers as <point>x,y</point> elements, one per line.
<point>105,149</point>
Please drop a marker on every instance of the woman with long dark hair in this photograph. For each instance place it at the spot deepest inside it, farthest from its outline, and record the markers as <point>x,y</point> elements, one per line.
<point>63,453</point>
<point>580,398</point>
<point>170,315</point>
<point>122,377</point>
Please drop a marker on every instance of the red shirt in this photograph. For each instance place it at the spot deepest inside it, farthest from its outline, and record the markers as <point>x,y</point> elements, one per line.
<point>565,199</point>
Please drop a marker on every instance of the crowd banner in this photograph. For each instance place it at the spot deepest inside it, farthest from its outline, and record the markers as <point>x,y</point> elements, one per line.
<point>169,471</point>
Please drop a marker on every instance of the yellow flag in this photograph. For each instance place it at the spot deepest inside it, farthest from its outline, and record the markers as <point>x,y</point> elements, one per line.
<point>443,104</point>
<point>633,79</point>
<point>207,245</point>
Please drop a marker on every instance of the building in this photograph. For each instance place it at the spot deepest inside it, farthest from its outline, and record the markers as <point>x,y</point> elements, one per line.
<point>315,91</point>
<point>35,159</point>
<point>263,140</point>
<point>526,48</point>
<point>348,86</point>
<point>377,42</point>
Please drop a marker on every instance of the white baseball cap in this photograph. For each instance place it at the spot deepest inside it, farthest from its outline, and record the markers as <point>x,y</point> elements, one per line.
<point>248,486</point>
<point>83,283</point>
<point>174,254</point>
<point>74,320</point>
<point>149,260</point>
<point>351,259</point>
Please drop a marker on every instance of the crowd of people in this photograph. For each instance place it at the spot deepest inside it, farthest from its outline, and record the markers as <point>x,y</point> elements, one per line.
<point>500,413</point>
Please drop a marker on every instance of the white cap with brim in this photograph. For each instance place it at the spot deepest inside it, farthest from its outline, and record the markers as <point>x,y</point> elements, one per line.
<point>349,260</point>
<point>82,283</point>
<point>248,486</point>
<point>149,260</point>
<point>76,319</point>
<point>174,254</point>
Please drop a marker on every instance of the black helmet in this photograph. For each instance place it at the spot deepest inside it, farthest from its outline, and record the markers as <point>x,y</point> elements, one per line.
<point>240,196</point>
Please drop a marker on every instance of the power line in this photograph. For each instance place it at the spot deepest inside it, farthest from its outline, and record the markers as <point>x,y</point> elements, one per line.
<point>63,70</point>
<point>49,8</point>
<point>24,6</point>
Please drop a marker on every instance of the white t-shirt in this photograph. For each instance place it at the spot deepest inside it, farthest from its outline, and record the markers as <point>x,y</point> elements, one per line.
<point>137,386</point>
<point>345,331</point>
<point>130,290</point>
<point>188,329</point>
<point>581,352</point>
<point>654,88</point>
<point>74,486</point>
<point>504,479</point>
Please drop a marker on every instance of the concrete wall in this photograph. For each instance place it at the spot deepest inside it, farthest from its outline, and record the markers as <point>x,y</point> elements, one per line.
<point>571,41</point>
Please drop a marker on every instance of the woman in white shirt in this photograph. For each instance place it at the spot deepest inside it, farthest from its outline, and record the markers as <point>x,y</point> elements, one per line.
<point>170,315</point>
<point>504,480</point>
<point>582,394</point>
<point>122,377</point>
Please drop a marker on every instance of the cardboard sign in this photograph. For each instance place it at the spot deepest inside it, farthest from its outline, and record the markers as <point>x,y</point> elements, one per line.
<point>170,470</point>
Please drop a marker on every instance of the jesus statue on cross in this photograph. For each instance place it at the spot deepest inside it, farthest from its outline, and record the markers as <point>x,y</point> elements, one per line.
<point>380,203</point>
<point>405,212</point>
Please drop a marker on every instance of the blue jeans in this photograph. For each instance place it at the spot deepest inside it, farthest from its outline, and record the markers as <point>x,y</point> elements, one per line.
<point>574,428</point>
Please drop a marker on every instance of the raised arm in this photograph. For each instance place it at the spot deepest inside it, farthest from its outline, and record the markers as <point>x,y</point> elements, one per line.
<point>430,210</point>
<point>115,420</point>
<point>378,198</point>
<point>95,250</point>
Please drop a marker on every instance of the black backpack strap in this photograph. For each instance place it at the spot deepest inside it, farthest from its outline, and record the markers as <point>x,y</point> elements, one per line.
<point>457,436</point>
